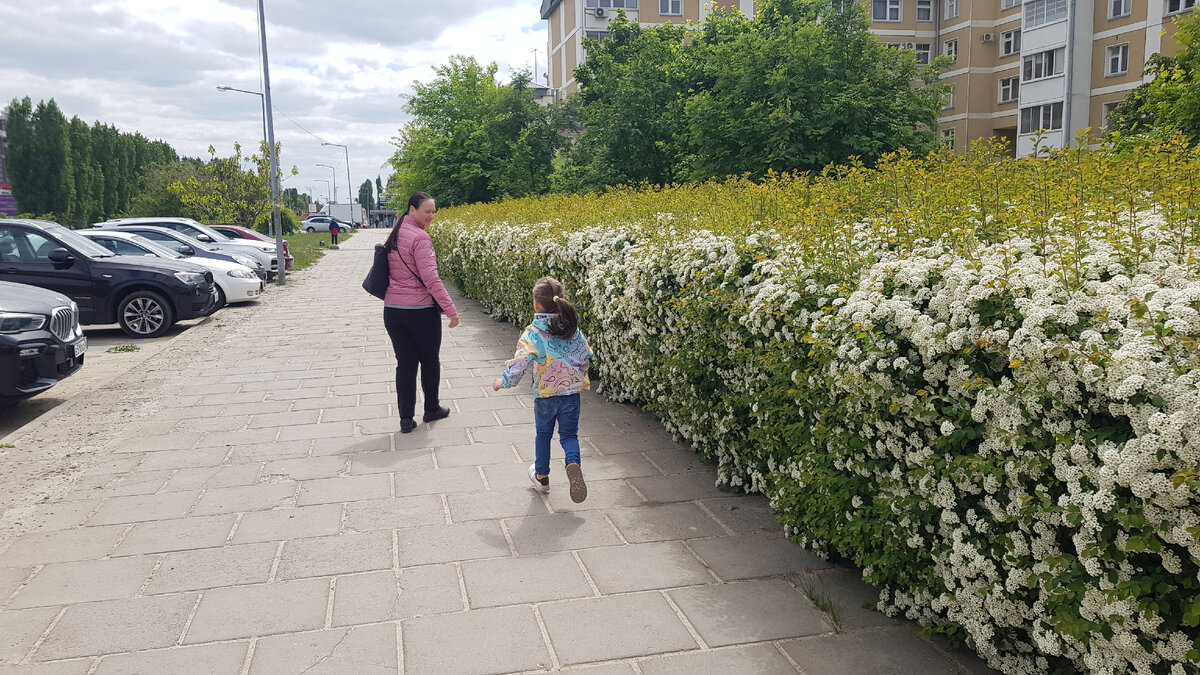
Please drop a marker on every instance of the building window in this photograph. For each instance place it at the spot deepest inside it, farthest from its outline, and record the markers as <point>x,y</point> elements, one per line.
<point>948,138</point>
<point>670,7</point>
<point>597,35</point>
<point>1010,42</point>
<point>1116,60</point>
<point>1106,110</point>
<point>1009,4</point>
<point>885,10</point>
<point>1038,117</point>
<point>1043,64</point>
<point>613,4</point>
<point>1119,8</point>
<point>1174,6</point>
<point>924,53</point>
<point>950,48</point>
<point>1010,89</point>
<point>948,102</point>
<point>951,9</point>
<point>924,10</point>
<point>1042,12</point>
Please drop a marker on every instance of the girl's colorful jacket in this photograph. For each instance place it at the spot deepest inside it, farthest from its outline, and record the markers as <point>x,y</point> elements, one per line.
<point>559,364</point>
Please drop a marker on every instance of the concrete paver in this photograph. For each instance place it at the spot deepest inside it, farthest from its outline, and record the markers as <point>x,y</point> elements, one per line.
<point>242,502</point>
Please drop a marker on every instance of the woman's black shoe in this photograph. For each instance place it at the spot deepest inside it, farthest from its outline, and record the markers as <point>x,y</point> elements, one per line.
<point>439,414</point>
<point>407,424</point>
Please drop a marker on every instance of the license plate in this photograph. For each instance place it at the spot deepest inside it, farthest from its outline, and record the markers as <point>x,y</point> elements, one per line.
<point>80,347</point>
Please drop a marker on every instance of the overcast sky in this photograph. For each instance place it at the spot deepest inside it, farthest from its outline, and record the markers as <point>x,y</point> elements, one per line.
<point>338,69</point>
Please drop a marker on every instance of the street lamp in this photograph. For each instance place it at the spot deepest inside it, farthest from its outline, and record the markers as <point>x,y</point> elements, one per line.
<point>326,182</point>
<point>221,87</point>
<point>349,183</point>
<point>276,224</point>
<point>333,174</point>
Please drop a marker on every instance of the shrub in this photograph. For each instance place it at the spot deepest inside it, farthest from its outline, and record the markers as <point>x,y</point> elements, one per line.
<point>291,223</point>
<point>977,377</point>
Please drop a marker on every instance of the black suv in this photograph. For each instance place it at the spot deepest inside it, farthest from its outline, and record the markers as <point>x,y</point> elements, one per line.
<point>40,340</point>
<point>144,295</point>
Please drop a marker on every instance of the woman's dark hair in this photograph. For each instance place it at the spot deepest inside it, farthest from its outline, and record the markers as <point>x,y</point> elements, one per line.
<point>548,292</point>
<point>414,202</point>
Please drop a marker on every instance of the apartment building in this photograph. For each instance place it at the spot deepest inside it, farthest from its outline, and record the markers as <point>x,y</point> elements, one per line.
<point>1056,66</point>
<point>1021,67</point>
<point>570,21</point>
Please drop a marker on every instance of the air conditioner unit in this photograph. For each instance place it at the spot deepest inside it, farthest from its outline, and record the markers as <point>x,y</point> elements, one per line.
<point>910,45</point>
<point>599,12</point>
<point>989,37</point>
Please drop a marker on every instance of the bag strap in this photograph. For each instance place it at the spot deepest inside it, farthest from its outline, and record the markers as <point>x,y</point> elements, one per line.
<point>410,270</point>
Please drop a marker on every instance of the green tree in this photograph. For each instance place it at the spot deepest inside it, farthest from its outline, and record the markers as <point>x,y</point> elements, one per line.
<point>780,93</point>
<point>19,160</point>
<point>378,193</point>
<point>629,108</point>
<point>227,189</point>
<point>85,208</point>
<point>52,160</point>
<point>365,196</point>
<point>154,196</point>
<point>472,139</point>
<point>1170,103</point>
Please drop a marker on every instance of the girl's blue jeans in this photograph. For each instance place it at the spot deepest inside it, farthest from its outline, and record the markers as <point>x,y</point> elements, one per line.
<point>565,411</point>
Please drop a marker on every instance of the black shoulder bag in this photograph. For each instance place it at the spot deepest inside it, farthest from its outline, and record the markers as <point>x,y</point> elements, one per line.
<point>377,279</point>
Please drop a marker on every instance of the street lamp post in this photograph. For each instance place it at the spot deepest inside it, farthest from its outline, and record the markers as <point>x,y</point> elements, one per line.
<point>333,176</point>
<point>221,87</point>
<point>349,183</point>
<point>326,182</point>
<point>266,82</point>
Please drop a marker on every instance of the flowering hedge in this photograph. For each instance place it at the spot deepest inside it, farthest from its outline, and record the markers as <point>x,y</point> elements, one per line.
<point>974,376</point>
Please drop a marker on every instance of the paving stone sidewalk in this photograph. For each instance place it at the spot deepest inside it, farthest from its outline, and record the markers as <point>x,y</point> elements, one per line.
<point>243,502</point>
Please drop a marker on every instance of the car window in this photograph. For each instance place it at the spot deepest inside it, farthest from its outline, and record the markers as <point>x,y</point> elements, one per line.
<point>77,241</point>
<point>122,247</point>
<point>169,241</point>
<point>155,247</point>
<point>25,246</point>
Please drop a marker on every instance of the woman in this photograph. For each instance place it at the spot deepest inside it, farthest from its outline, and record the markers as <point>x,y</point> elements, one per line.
<point>410,313</point>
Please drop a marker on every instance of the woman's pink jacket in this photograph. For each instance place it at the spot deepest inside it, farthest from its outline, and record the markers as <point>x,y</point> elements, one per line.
<point>415,249</point>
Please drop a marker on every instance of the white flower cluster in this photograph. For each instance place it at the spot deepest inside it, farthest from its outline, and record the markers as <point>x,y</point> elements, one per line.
<point>1007,440</point>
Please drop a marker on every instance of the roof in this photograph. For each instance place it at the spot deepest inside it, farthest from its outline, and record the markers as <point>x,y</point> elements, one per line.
<point>548,7</point>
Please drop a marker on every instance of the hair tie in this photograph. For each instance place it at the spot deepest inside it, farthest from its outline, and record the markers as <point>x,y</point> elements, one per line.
<point>556,298</point>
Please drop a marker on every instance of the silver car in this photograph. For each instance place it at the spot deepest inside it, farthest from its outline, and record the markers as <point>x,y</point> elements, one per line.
<point>196,231</point>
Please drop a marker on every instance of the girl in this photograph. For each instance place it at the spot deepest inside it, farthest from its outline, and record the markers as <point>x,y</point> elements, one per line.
<point>559,354</point>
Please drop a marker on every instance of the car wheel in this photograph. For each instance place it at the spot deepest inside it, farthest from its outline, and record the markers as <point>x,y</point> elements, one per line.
<point>144,314</point>
<point>310,230</point>
<point>220,297</point>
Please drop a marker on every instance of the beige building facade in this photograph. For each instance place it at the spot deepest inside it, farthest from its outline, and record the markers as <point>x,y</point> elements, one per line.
<point>1052,67</point>
<point>1022,69</point>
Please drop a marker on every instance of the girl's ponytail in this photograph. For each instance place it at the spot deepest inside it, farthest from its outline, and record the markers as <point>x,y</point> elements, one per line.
<point>549,293</point>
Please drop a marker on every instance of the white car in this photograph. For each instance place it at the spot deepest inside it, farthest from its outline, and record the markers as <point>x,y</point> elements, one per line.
<point>235,283</point>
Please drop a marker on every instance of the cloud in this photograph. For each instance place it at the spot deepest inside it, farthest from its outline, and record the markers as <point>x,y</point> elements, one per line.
<point>338,70</point>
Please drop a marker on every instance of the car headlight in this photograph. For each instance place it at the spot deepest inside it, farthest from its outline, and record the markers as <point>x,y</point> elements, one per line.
<point>190,278</point>
<point>13,322</point>
<point>242,274</point>
<point>248,262</point>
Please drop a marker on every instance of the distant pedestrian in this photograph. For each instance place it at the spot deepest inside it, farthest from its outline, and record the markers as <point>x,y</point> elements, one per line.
<point>414,297</point>
<point>559,354</point>
<point>334,230</point>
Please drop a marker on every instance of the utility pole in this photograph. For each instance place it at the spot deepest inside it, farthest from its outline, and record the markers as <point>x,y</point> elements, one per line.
<point>276,224</point>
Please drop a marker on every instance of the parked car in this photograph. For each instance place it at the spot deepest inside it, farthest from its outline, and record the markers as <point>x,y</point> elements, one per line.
<point>235,283</point>
<point>180,242</point>
<point>40,340</point>
<point>239,232</point>
<point>321,224</point>
<point>146,296</point>
<point>206,235</point>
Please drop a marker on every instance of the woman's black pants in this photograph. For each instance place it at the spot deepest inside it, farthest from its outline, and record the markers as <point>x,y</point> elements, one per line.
<point>417,339</point>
